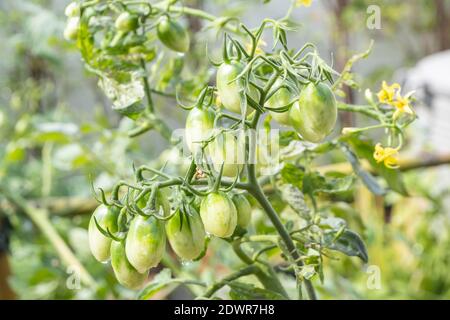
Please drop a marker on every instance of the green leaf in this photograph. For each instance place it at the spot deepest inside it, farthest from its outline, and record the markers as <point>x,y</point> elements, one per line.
<point>313,182</point>
<point>287,136</point>
<point>347,242</point>
<point>295,199</point>
<point>162,280</point>
<point>364,149</point>
<point>245,291</point>
<point>126,98</point>
<point>292,174</point>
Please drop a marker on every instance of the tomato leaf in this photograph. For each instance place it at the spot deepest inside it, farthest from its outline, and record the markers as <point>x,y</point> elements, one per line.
<point>295,199</point>
<point>369,180</point>
<point>313,182</point>
<point>245,291</point>
<point>292,174</point>
<point>287,136</point>
<point>347,242</point>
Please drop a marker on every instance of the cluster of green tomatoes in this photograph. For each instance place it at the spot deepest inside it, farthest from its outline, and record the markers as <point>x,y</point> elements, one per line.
<point>170,32</point>
<point>132,233</point>
<point>142,246</point>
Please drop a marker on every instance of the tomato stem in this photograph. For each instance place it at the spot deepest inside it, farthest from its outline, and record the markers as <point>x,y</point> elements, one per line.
<point>264,272</point>
<point>256,191</point>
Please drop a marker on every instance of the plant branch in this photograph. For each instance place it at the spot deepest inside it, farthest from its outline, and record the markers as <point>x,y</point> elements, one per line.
<point>265,273</point>
<point>363,109</point>
<point>251,269</point>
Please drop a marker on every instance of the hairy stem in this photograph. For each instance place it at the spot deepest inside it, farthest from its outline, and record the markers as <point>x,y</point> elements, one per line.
<point>147,90</point>
<point>265,273</point>
<point>363,109</point>
<point>256,191</point>
<point>251,269</point>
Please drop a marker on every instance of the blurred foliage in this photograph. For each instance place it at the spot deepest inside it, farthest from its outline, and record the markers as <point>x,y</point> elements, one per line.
<point>408,242</point>
<point>46,151</point>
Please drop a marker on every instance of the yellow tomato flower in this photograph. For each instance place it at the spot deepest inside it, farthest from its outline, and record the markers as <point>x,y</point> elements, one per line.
<point>386,155</point>
<point>387,93</point>
<point>305,3</point>
<point>402,105</point>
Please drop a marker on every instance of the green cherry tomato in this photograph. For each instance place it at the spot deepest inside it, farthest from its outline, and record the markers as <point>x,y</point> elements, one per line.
<point>98,243</point>
<point>186,235</point>
<point>145,242</point>
<point>126,22</point>
<point>219,214</point>
<point>125,273</point>
<point>199,124</point>
<point>244,210</point>
<point>282,98</point>
<point>315,114</point>
<point>228,90</point>
<point>229,150</point>
<point>173,35</point>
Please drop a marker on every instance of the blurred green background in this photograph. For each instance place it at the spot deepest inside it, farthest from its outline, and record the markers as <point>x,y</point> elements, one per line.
<point>58,132</point>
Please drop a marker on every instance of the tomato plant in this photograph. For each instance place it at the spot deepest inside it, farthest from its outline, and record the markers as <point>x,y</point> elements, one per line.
<point>118,42</point>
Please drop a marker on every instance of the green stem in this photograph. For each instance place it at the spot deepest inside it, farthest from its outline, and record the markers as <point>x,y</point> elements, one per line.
<point>363,109</point>
<point>147,90</point>
<point>256,191</point>
<point>284,234</point>
<point>258,194</point>
<point>251,269</point>
<point>225,182</point>
<point>185,10</point>
<point>264,272</point>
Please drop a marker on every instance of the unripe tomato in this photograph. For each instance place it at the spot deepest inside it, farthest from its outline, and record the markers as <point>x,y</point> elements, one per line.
<point>279,99</point>
<point>145,243</point>
<point>98,243</point>
<point>173,35</point>
<point>199,124</point>
<point>315,114</point>
<point>229,150</point>
<point>228,92</point>
<point>71,29</point>
<point>244,210</point>
<point>126,22</point>
<point>123,270</point>
<point>72,10</point>
<point>219,214</point>
<point>186,235</point>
